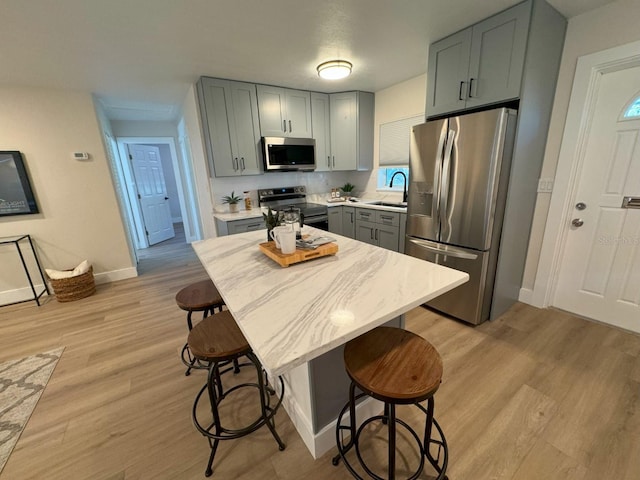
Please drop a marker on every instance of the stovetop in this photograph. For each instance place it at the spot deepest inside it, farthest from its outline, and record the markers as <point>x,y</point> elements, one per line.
<point>282,198</point>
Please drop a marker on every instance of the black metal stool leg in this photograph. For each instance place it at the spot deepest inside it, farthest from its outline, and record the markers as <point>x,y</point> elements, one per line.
<point>391,410</point>
<point>213,377</point>
<point>263,406</point>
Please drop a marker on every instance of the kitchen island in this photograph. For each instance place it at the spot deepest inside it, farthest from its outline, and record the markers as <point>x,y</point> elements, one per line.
<point>297,319</point>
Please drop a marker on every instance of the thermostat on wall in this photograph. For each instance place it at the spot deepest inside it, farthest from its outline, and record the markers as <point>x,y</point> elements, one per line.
<point>81,155</point>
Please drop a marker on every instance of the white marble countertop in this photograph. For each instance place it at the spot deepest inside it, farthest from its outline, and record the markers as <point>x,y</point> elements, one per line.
<point>292,315</point>
<point>240,215</point>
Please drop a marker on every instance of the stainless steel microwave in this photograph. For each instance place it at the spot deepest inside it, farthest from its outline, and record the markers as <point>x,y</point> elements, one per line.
<point>288,154</point>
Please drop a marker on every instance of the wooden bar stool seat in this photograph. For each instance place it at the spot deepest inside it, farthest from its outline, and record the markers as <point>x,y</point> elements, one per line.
<point>217,340</point>
<point>396,367</point>
<point>203,297</point>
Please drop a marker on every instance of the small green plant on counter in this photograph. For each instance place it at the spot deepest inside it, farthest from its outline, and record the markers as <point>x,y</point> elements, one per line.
<point>231,199</point>
<point>348,188</point>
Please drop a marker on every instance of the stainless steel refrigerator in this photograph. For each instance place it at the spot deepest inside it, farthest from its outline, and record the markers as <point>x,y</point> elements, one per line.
<point>458,180</point>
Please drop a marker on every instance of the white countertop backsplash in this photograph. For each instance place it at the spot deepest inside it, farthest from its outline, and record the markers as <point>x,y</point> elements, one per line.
<point>221,212</point>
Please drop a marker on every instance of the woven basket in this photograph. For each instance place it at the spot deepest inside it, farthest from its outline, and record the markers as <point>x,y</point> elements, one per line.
<point>74,288</point>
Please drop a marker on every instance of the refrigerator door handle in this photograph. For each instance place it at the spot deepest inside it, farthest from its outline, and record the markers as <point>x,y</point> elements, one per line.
<point>444,187</point>
<point>446,251</point>
<point>437,176</point>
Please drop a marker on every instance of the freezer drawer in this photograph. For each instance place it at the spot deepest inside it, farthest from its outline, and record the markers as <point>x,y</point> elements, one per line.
<point>471,301</point>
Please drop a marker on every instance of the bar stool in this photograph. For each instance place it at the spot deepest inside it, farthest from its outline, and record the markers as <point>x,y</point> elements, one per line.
<point>202,297</point>
<point>396,367</point>
<point>217,340</point>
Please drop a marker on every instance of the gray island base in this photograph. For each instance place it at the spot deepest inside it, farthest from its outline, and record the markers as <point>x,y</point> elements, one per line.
<point>297,319</point>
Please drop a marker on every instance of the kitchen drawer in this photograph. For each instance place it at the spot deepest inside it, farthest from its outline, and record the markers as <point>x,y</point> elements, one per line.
<point>387,218</point>
<point>365,215</point>
<point>248,225</point>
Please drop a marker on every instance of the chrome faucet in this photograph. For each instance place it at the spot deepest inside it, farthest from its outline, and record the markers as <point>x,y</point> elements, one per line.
<point>404,188</point>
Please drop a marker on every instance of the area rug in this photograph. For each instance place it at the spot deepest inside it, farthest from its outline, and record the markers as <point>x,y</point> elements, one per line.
<point>22,382</point>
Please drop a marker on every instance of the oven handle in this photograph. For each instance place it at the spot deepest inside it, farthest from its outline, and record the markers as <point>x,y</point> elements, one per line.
<point>316,219</point>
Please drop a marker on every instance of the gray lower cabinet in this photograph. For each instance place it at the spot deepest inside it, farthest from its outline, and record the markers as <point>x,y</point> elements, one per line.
<point>480,65</point>
<point>349,222</point>
<point>335,220</point>
<point>229,115</point>
<point>378,227</point>
<point>239,226</point>
<point>403,232</point>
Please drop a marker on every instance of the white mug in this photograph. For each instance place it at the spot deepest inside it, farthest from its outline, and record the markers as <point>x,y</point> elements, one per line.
<point>287,239</point>
<point>274,231</point>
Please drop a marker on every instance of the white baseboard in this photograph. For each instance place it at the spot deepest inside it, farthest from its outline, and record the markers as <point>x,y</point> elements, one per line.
<point>526,296</point>
<point>22,294</point>
<point>115,275</point>
<point>325,440</point>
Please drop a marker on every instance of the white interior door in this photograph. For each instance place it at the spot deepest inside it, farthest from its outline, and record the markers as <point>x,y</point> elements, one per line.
<point>599,274</point>
<point>152,192</point>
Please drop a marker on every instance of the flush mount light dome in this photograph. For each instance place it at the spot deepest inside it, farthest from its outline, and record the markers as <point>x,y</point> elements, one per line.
<point>334,69</point>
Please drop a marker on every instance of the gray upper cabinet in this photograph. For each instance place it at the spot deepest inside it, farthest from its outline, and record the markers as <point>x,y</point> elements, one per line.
<point>447,73</point>
<point>351,130</point>
<point>480,65</point>
<point>284,112</point>
<point>320,122</point>
<point>229,113</point>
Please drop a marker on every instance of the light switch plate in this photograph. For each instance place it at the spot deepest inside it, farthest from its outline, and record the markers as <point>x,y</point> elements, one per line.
<point>545,185</point>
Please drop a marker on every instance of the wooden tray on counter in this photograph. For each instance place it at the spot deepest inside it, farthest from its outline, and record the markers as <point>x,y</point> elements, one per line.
<point>300,255</point>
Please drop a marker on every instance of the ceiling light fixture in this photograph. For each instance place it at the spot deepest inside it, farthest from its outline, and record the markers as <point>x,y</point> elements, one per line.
<point>334,69</point>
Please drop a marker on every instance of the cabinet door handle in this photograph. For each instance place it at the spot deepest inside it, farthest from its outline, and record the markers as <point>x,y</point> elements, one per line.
<point>328,160</point>
<point>460,91</point>
<point>376,234</point>
<point>284,125</point>
<point>290,130</point>
<point>471,86</point>
<point>242,163</point>
<point>371,233</point>
<point>334,160</point>
<point>234,162</point>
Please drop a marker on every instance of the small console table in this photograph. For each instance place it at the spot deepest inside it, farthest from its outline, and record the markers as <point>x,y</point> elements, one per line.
<point>16,241</point>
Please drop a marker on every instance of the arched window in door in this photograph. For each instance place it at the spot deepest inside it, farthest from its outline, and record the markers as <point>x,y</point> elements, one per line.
<point>632,109</point>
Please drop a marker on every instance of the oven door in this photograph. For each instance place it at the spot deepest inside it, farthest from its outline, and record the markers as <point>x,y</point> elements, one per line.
<point>318,221</point>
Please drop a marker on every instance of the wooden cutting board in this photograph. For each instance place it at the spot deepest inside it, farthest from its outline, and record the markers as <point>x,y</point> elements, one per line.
<point>300,255</point>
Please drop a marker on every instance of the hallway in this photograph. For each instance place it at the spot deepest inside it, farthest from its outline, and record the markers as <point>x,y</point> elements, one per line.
<point>168,254</point>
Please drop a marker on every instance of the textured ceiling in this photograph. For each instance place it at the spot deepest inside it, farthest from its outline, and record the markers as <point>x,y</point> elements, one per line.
<point>140,56</point>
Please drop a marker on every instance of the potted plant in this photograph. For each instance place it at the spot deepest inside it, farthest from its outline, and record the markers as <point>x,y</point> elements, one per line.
<point>271,220</point>
<point>348,189</point>
<point>233,201</point>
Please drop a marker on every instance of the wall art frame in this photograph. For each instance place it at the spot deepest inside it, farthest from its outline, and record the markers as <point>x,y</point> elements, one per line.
<point>16,194</point>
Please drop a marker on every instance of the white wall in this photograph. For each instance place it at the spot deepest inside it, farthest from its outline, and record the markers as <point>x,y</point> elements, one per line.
<point>609,26</point>
<point>403,100</point>
<point>79,216</point>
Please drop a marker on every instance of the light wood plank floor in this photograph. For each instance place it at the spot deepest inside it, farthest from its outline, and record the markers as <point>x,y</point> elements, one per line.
<point>534,395</point>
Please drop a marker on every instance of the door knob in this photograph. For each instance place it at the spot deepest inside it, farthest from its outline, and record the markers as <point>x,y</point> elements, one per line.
<point>577,222</point>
